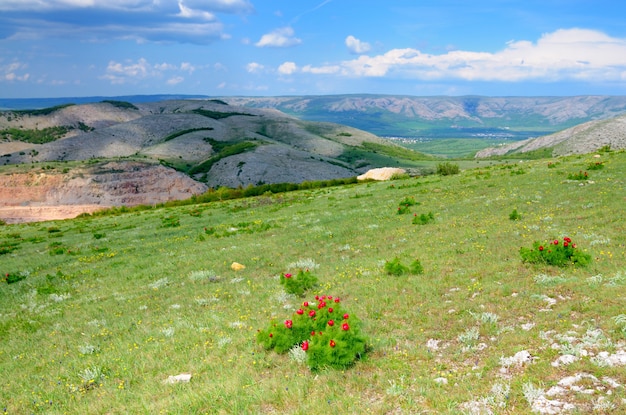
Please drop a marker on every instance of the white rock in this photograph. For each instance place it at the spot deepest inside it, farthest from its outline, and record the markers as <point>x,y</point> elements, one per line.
<point>183,377</point>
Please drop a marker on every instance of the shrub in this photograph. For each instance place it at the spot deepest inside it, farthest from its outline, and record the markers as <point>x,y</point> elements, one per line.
<point>423,219</point>
<point>578,176</point>
<point>299,284</point>
<point>330,336</point>
<point>394,267</point>
<point>11,278</point>
<point>514,215</point>
<point>416,267</point>
<point>598,165</point>
<point>555,253</point>
<point>447,169</point>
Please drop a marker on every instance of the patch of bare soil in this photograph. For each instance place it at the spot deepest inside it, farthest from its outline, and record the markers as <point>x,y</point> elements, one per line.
<point>21,214</point>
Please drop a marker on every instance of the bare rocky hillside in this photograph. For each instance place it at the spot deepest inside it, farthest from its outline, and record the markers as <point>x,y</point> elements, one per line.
<point>581,139</point>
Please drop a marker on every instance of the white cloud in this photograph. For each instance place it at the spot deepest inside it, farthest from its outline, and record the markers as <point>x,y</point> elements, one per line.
<point>279,38</point>
<point>175,80</point>
<point>14,72</point>
<point>187,12</point>
<point>566,54</point>
<point>129,71</point>
<point>356,46</point>
<point>287,68</point>
<point>254,67</point>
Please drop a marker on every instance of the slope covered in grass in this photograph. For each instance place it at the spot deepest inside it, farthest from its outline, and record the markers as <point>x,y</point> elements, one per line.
<point>101,311</point>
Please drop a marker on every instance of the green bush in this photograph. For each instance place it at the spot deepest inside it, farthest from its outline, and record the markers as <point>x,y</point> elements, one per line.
<point>12,278</point>
<point>598,165</point>
<point>298,284</point>
<point>423,218</point>
<point>514,215</point>
<point>578,176</point>
<point>330,336</point>
<point>555,253</point>
<point>447,169</point>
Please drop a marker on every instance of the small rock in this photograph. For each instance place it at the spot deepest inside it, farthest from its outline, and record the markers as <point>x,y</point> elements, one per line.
<point>236,266</point>
<point>183,377</point>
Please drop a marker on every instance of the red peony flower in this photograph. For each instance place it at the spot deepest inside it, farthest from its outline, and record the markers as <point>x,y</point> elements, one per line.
<point>565,244</point>
<point>337,299</point>
<point>345,327</point>
<point>573,245</point>
<point>568,240</point>
<point>313,333</point>
<point>305,345</point>
<point>541,247</point>
<point>288,323</point>
<point>287,275</point>
<point>312,313</point>
<point>556,242</point>
<point>305,304</point>
<point>330,309</point>
<point>331,323</point>
<point>345,316</point>
<point>317,297</point>
<point>321,305</point>
<point>271,335</point>
<point>332,343</point>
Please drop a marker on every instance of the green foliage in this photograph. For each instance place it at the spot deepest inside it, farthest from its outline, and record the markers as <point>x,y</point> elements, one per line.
<point>120,104</point>
<point>170,221</point>
<point>187,131</point>
<point>423,218</point>
<point>298,284</point>
<point>225,151</point>
<point>84,127</point>
<point>216,115</point>
<point>7,246</point>
<point>416,267</point>
<point>598,165</point>
<point>395,267</point>
<point>42,111</point>
<point>555,252</point>
<point>552,164</point>
<point>13,277</point>
<point>514,215</point>
<point>447,169</point>
<point>45,135</point>
<point>578,176</point>
<point>323,329</point>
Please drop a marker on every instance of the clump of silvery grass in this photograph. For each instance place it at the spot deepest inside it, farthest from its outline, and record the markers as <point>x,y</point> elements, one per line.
<point>544,279</point>
<point>297,354</point>
<point>306,263</point>
<point>88,349</point>
<point>163,282</point>
<point>204,275</point>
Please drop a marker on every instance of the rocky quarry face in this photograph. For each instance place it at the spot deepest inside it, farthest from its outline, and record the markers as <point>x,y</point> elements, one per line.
<point>50,194</point>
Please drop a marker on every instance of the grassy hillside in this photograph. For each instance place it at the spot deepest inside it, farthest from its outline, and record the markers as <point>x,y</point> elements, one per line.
<point>101,311</point>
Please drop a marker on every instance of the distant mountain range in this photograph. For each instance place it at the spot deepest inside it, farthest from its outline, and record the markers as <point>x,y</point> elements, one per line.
<point>512,118</point>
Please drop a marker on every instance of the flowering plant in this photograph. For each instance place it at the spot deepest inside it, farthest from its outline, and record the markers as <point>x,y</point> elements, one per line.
<point>299,283</point>
<point>578,176</point>
<point>405,204</point>
<point>555,252</point>
<point>329,335</point>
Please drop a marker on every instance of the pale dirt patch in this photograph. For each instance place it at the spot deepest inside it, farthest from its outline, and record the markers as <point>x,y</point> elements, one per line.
<point>22,214</point>
<point>383,173</point>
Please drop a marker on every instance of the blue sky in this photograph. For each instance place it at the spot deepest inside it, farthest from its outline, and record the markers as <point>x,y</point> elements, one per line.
<point>60,48</point>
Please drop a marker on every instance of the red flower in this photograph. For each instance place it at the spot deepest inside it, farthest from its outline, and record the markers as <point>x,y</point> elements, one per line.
<point>300,311</point>
<point>271,335</point>
<point>541,247</point>
<point>312,313</point>
<point>345,316</point>
<point>288,323</point>
<point>287,275</point>
<point>313,333</point>
<point>305,345</point>
<point>321,305</point>
<point>565,244</point>
<point>568,240</point>
<point>573,245</point>
<point>317,297</point>
<point>331,323</point>
<point>332,343</point>
<point>556,242</point>
<point>305,304</point>
<point>330,309</point>
<point>345,327</point>
<point>337,299</point>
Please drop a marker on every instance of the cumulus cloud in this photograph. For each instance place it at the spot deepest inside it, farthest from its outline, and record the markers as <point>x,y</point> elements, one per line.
<point>287,68</point>
<point>356,46</point>
<point>279,38</point>
<point>129,72</point>
<point>190,13</point>
<point>254,67</point>
<point>14,71</point>
<point>566,54</point>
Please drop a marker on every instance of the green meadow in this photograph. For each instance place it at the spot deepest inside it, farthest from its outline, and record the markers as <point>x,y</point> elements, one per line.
<point>96,313</point>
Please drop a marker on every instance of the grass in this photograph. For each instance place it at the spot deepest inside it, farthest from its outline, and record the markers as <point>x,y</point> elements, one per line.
<point>99,326</point>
